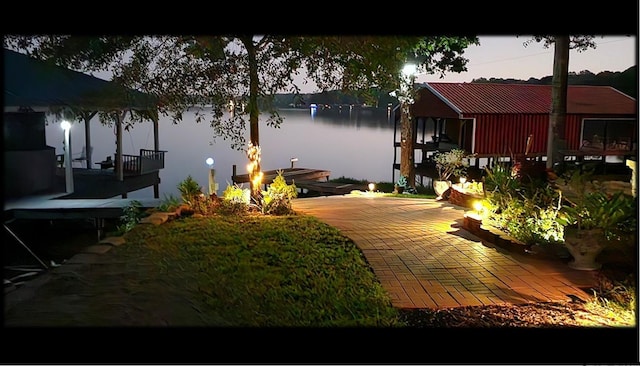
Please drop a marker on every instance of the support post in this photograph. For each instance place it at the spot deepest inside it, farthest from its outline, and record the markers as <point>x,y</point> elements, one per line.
<point>68,168</point>
<point>213,186</point>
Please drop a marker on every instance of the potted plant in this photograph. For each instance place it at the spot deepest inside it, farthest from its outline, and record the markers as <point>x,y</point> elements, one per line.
<point>449,164</point>
<point>401,184</point>
<point>593,220</point>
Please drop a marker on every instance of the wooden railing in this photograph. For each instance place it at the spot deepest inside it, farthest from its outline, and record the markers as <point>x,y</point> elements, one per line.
<point>148,161</point>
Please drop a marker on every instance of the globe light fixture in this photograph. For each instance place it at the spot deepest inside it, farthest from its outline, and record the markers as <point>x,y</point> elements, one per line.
<point>409,69</point>
<point>371,187</point>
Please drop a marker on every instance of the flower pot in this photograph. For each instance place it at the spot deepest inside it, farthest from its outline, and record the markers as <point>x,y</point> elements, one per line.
<point>584,246</point>
<point>441,188</point>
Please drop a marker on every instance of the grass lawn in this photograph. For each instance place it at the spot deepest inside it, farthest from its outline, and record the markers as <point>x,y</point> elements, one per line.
<point>255,270</point>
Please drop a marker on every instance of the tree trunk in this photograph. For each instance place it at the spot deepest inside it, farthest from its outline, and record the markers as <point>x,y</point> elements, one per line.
<point>558,115</point>
<point>407,167</point>
<point>254,113</point>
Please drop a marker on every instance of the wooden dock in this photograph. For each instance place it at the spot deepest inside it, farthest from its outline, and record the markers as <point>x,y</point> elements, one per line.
<point>290,175</point>
<point>56,206</point>
<point>316,180</point>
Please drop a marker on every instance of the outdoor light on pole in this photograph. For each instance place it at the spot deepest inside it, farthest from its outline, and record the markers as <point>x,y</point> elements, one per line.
<point>293,160</point>
<point>68,169</point>
<point>409,70</point>
<point>213,186</point>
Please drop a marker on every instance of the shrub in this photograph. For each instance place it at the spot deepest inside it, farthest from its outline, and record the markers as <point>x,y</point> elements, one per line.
<point>190,190</point>
<point>169,203</point>
<point>131,215</point>
<point>236,198</point>
<point>588,207</point>
<point>452,163</point>
<point>527,210</point>
<point>277,198</point>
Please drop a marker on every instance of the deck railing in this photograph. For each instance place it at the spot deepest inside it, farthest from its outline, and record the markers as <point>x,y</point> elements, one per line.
<point>148,161</point>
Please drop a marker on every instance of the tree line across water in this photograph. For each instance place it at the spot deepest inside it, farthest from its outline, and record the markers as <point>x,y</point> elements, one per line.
<point>624,81</point>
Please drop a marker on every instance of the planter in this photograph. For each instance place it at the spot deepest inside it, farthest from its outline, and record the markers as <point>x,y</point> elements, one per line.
<point>584,246</point>
<point>399,189</point>
<point>441,188</point>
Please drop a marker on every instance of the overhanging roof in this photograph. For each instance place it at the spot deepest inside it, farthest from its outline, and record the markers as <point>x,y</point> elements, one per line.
<point>481,98</point>
<point>29,82</point>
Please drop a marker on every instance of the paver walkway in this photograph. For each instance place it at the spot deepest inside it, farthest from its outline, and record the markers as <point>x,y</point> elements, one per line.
<point>425,259</point>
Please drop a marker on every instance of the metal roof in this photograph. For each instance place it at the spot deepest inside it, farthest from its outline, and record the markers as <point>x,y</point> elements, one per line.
<point>482,98</point>
<point>29,82</point>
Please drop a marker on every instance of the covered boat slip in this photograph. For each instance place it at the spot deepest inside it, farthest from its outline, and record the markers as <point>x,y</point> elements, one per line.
<point>34,88</point>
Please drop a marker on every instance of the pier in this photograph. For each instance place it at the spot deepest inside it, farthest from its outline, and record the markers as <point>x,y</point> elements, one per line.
<point>316,180</point>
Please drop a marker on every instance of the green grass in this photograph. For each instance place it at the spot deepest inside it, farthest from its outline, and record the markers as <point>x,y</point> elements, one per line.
<point>253,270</point>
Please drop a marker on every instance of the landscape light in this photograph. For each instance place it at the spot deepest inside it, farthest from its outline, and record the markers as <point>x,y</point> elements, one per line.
<point>371,187</point>
<point>477,205</point>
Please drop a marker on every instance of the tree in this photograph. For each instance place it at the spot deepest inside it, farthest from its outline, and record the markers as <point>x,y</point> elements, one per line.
<point>559,83</point>
<point>187,71</point>
<point>430,55</point>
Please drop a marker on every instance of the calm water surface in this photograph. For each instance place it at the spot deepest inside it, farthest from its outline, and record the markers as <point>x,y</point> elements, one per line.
<point>355,144</point>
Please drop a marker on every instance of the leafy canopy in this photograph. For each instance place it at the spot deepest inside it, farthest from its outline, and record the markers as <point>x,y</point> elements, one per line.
<point>187,71</point>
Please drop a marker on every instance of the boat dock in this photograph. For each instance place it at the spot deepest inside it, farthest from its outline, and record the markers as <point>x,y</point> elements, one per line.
<point>52,207</point>
<point>316,180</point>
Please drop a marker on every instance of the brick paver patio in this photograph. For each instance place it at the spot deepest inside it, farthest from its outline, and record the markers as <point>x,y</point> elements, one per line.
<point>425,259</point>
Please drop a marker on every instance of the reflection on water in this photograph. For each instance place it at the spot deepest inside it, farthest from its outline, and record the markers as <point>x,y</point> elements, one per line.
<point>356,143</point>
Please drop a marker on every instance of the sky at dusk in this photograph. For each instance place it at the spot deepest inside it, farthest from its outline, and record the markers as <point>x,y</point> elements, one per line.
<point>506,57</point>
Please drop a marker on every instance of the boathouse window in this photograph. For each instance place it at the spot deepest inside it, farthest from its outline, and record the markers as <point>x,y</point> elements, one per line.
<point>609,134</point>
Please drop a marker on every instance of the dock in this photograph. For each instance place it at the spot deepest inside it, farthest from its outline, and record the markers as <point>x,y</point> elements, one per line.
<point>316,180</point>
<point>290,175</point>
<point>55,206</point>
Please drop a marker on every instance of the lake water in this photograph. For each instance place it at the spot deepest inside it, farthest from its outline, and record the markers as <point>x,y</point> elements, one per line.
<point>351,143</point>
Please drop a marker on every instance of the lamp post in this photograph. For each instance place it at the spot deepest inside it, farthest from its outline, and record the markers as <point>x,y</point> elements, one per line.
<point>68,169</point>
<point>213,186</point>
